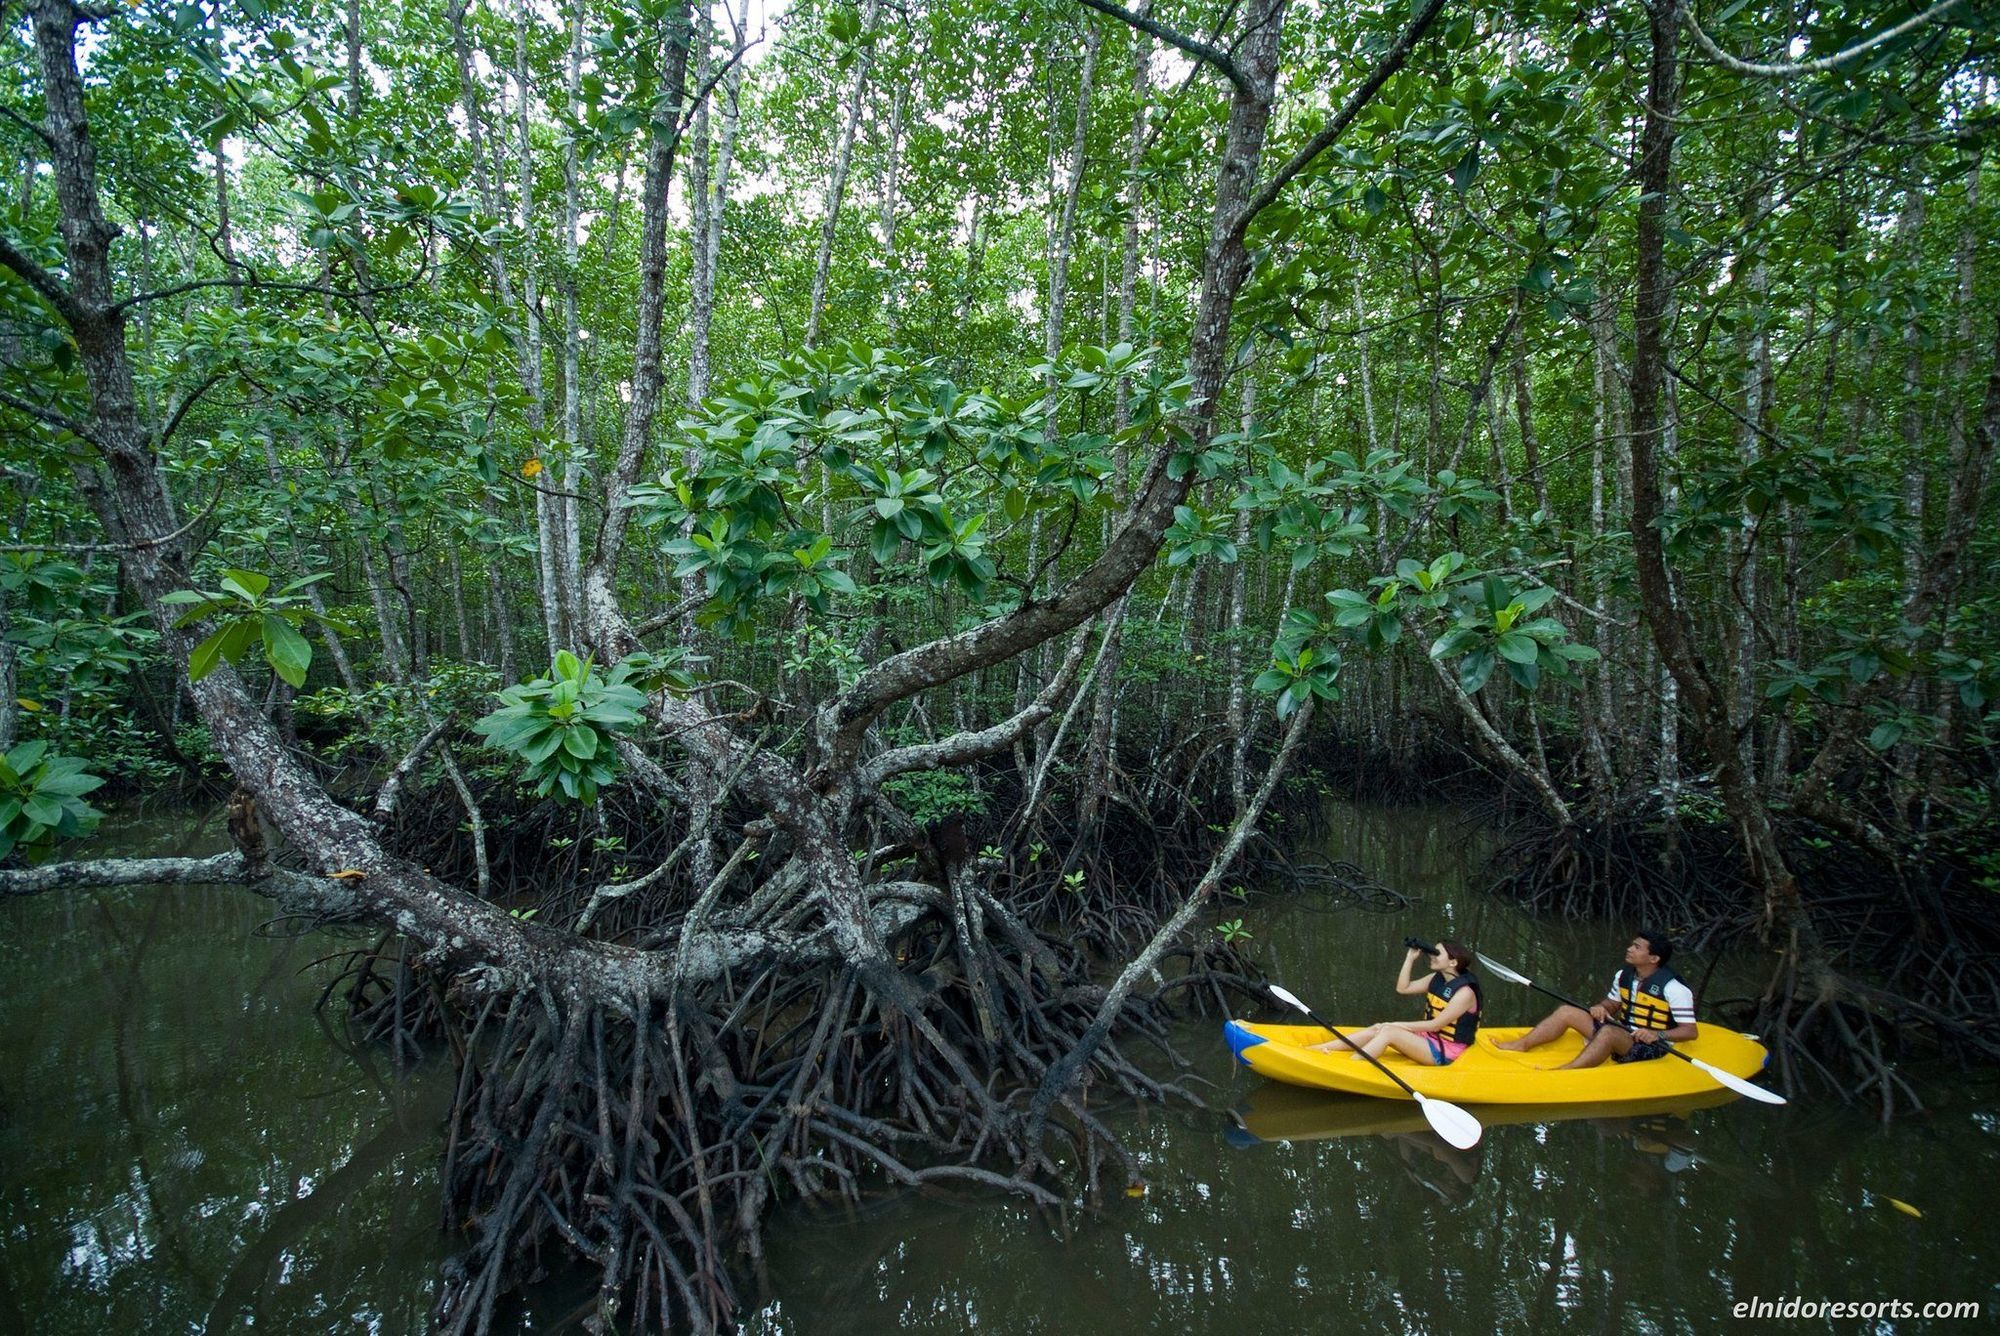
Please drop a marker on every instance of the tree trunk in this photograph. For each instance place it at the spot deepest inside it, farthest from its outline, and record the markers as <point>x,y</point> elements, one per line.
<point>843,160</point>
<point>1668,620</point>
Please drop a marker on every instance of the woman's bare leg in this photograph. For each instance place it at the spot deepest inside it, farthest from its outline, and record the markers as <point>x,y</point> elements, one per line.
<point>1361,1036</point>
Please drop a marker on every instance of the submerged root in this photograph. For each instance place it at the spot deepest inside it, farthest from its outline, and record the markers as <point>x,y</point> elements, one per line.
<point>649,1142</point>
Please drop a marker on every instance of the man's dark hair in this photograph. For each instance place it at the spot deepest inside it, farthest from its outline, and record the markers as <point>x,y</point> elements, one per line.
<point>1661,944</point>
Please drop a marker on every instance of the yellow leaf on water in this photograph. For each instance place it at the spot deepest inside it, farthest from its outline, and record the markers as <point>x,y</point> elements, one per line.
<point>531,469</point>
<point>1906,1208</point>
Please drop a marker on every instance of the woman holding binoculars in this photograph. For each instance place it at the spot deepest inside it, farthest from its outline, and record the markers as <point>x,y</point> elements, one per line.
<point>1452,1005</point>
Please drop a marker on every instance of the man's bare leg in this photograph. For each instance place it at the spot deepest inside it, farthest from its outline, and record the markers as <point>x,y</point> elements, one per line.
<point>1549,1027</point>
<point>1613,1041</point>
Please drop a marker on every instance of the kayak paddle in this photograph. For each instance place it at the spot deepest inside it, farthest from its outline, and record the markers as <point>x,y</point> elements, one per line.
<point>1742,1087</point>
<point>1449,1121</point>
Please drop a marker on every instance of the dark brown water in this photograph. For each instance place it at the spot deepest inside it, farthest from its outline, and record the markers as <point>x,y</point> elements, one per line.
<point>182,1148</point>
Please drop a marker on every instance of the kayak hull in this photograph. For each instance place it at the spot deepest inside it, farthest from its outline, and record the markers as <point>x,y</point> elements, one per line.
<point>1485,1074</point>
<point>1274,1112</point>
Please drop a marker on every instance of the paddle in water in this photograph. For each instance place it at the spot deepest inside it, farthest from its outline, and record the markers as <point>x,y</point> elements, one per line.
<point>1449,1121</point>
<point>1747,1089</point>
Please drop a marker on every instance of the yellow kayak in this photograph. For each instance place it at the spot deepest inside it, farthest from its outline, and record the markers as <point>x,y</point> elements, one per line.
<point>1289,1113</point>
<point>1487,1075</point>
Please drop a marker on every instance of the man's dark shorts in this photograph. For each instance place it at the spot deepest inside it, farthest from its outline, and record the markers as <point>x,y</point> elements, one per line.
<point>1638,1052</point>
<point>1644,1052</point>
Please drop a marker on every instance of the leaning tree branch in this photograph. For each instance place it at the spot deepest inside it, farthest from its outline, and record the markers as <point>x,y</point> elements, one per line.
<point>24,122</point>
<point>48,415</point>
<point>138,545</point>
<point>1219,60</point>
<point>391,793</point>
<point>323,898</point>
<point>1064,1071</point>
<point>1792,70</point>
<point>1329,134</point>
<point>960,748</point>
<point>43,281</point>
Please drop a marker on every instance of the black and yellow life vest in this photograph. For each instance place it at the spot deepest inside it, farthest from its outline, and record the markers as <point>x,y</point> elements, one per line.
<point>1442,990</point>
<point>1645,1000</point>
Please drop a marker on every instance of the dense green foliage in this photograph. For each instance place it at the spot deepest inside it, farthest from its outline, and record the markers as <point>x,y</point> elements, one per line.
<point>334,326</point>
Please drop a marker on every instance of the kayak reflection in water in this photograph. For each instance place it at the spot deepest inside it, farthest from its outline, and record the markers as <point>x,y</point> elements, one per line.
<point>1645,995</point>
<point>1452,1005</point>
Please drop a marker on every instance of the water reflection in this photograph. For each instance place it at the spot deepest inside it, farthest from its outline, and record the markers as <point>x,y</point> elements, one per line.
<point>183,1146</point>
<point>1349,1213</point>
<point>183,1149</point>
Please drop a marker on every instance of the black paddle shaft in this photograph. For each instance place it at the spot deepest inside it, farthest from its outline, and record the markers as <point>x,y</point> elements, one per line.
<point>1380,1066</point>
<point>1550,992</point>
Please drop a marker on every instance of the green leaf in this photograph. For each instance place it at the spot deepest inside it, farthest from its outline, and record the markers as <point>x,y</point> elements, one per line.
<point>1518,648</point>
<point>288,652</point>
<point>1474,669</point>
<point>1466,169</point>
<point>26,756</point>
<point>208,654</point>
<point>247,585</point>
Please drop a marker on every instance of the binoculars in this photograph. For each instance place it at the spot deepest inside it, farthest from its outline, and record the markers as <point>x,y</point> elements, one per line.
<point>1419,944</point>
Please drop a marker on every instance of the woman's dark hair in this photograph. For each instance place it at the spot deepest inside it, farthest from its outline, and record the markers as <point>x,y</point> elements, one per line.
<point>1460,955</point>
<point>1659,943</point>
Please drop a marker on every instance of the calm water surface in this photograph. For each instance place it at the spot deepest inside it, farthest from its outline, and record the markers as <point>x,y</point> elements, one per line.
<point>183,1148</point>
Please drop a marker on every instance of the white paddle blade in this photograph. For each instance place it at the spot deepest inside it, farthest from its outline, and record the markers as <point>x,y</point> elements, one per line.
<point>1747,1089</point>
<point>1494,967</point>
<point>1284,996</point>
<point>1454,1124</point>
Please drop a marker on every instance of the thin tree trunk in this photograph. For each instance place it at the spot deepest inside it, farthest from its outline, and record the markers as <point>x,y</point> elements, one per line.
<point>1062,237</point>
<point>1668,620</point>
<point>569,522</point>
<point>891,183</point>
<point>1955,385</point>
<point>1239,721</point>
<point>548,516</point>
<point>1524,415</point>
<point>836,186</point>
<point>1097,764</point>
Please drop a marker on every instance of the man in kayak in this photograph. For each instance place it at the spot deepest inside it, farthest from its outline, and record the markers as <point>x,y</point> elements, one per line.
<point>1452,1003</point>
<point>1645,995</point>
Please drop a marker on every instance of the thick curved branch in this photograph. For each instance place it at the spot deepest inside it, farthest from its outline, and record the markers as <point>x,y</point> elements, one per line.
<point>41,280</point>
<point>1391,61</point>
<point>1219,60</point>
<point>319,896</point>
<point>1793,69</point>
<point>49,416</point>
<point>973,744</point>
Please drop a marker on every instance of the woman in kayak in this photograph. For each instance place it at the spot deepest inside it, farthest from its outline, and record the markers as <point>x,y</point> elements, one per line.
<point>1452,1004</point>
